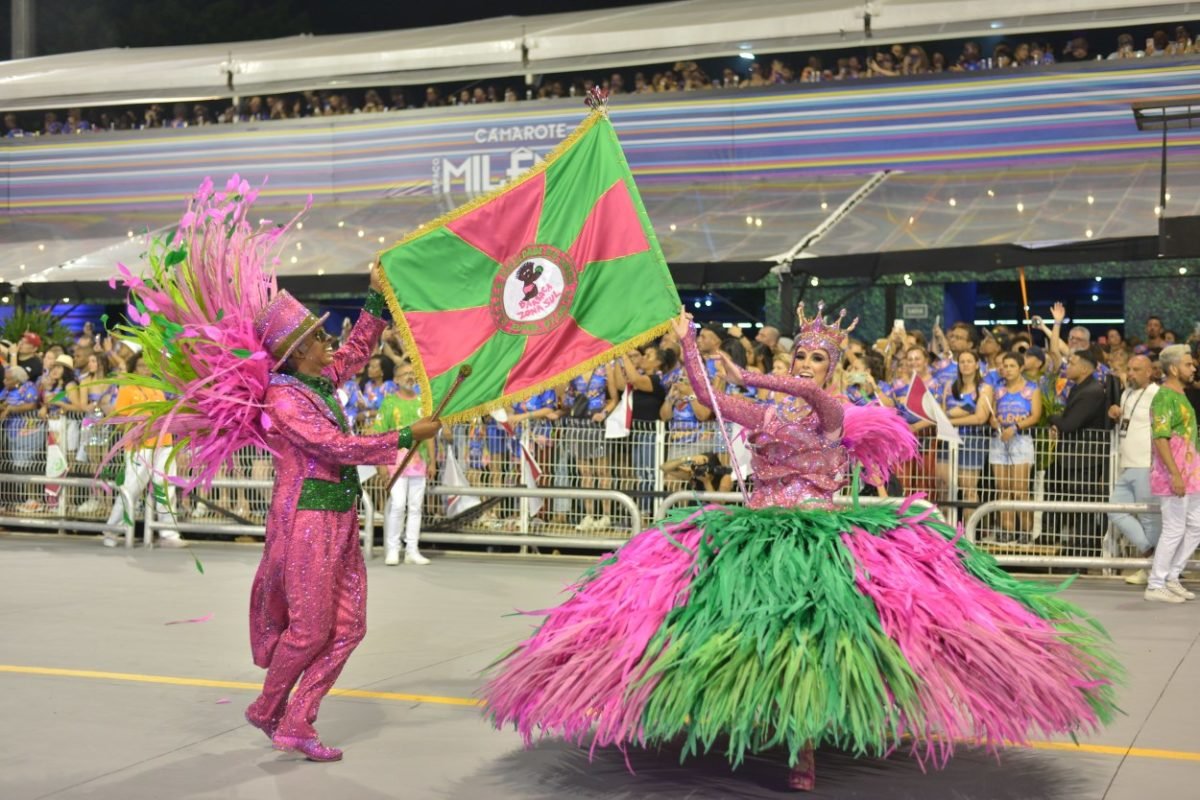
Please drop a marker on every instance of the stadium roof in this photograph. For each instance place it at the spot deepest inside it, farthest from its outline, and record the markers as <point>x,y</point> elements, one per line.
<point>513,46</point>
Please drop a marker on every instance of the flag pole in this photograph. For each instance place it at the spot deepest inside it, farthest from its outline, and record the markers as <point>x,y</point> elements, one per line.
<point>463,372</point>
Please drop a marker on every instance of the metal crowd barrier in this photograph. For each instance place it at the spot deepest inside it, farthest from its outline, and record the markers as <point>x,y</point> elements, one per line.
<point>180,522</point>
<point>56,519</point>
<point>732,498</point>
<point>598,491</point>
<point>526,536</point>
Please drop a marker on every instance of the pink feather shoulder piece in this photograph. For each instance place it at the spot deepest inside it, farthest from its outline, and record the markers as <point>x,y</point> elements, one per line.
<point>878,439</point>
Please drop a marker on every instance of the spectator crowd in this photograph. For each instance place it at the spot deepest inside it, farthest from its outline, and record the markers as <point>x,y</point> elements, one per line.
<point>685,76</point>
<point>1038,412</point>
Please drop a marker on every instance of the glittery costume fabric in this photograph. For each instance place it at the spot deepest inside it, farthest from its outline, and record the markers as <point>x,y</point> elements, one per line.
<point>796,449</point>
<point>794,623</point>
<point>308,602</point>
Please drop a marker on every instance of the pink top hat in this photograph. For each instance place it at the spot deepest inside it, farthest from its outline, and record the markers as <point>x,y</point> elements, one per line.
<point>283,324</point>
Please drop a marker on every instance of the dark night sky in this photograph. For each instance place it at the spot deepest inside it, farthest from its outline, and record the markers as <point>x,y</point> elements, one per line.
<point>70,25</point>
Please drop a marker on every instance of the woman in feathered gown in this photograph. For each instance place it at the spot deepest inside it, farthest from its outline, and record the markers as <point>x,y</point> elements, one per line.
<point>793,622</point>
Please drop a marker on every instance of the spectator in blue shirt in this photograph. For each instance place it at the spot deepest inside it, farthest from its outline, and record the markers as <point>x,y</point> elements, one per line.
<point>24,436</point>
<point>589,400</point>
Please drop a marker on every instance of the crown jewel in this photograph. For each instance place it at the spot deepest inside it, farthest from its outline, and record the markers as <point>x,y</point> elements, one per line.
<point>816,332</point>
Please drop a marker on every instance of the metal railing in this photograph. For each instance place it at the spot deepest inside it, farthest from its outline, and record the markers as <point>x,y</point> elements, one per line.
<point>181,524</point>
<point>1044,549</point>
<point>525,535</point>
<point>596,492</point>
<point>57,519</point>
<point>732,498</point>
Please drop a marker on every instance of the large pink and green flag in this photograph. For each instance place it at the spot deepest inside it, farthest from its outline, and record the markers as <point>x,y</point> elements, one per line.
<point>542,280</point>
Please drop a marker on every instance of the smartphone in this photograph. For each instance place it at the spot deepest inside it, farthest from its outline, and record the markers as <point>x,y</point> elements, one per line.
<point>937,321</point>
<point>898,326</point>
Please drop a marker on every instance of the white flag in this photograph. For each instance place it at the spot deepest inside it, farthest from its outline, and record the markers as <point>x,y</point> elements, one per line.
<point>531,471</point>
<point>741,449</point>
<point>923,404</point>
<point>620,421</point>
<point>453,478</point>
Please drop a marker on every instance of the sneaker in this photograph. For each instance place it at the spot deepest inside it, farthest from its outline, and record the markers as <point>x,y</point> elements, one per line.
<point>1137,577</point>
<point>586,524</point>
<point>1163,595</point>
<point>603,524</point>
<point>171,541</point>
<point>414,557</point>
<point>392,558</point>
<point>108,541</point>
<point>89,507</point>
<point>1176,588</point>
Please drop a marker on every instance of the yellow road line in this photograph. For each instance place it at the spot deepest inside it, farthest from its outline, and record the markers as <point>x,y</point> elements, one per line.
<point>205,682</point>
<point>1097,749</point>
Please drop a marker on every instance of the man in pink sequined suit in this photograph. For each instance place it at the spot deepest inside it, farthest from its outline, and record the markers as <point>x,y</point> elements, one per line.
<point>308,602</point>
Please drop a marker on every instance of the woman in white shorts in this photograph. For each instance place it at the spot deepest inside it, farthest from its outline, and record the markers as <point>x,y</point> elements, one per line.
<point>1018,408</point>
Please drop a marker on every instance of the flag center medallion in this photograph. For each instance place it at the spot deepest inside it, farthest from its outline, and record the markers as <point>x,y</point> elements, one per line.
<point>533,292</point>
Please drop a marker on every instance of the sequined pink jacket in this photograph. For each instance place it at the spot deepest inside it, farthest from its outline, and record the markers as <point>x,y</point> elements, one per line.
<point>312,441</point>
<point>805,458</point>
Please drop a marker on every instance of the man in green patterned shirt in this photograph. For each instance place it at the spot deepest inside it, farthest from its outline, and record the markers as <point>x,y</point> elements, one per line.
<point>1175,477</point>
<point>407,497</point>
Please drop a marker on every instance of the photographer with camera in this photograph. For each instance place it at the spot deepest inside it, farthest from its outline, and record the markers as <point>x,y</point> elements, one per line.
<point>703,472</point>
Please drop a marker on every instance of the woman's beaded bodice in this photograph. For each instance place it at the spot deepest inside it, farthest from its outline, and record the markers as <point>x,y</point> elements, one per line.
<point>796,449</point>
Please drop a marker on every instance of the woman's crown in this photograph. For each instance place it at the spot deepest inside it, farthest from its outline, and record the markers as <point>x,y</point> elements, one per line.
<point>814,332</point>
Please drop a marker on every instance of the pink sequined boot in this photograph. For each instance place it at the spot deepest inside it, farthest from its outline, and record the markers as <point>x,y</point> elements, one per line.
<point>312,748</point>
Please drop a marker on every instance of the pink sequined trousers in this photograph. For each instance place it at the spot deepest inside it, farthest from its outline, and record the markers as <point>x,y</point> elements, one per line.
<point>309,599</point>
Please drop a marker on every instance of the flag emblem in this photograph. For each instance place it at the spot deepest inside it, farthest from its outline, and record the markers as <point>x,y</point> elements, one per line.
<point>533,293</point>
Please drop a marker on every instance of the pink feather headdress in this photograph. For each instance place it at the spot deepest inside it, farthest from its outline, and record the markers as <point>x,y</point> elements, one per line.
<point>193,317</point>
